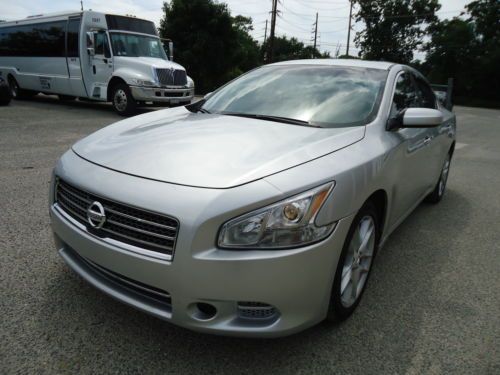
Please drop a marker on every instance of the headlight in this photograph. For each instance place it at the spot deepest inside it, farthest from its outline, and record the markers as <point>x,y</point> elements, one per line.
<point>142,82</point>
<point>290,223</point>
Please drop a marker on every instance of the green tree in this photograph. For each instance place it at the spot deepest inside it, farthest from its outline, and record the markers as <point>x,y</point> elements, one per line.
<point>394,29</point>
<point>450,53</point>
<point>291,49</point>
<point>213,46</point>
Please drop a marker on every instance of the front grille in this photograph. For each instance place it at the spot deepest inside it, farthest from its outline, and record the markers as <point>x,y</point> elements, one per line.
<point>144,290</point>
<point>126,224</point>
<point>172,77</point>
<point>256,310</point>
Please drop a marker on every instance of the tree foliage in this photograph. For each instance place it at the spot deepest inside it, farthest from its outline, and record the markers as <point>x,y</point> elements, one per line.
<point>213,46</point>
<point>468,49</point>
<point>292,49</point>
<point>394,29</point>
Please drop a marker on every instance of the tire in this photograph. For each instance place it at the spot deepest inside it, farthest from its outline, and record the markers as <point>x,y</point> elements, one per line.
<point>440,188</point>
<point>66,98</point>
<point>17,92</point>
<point>123,101</point>
<point>4,101</point>
<point>351,266</point>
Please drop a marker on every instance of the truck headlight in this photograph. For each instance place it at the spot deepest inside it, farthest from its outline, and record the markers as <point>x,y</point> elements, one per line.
<point>142,82</point>
<point>290,223</point>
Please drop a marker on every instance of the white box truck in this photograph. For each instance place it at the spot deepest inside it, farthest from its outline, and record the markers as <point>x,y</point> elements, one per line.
<point>92,55</point>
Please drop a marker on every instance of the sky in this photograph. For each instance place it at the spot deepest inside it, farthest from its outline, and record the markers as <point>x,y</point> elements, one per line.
<point>296,18</point>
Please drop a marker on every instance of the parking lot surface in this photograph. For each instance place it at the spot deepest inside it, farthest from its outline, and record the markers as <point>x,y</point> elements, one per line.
<point>432,305</point>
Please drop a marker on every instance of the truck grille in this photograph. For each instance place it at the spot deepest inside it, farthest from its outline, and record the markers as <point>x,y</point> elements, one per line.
<point>123,223</point>
<point>172,77</point>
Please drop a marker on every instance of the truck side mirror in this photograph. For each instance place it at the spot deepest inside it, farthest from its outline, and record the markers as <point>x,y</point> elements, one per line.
<point>171,50</point>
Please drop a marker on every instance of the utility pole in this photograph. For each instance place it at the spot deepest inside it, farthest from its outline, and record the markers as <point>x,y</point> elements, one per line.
<point>349,30</point>
<point>273,27</point>
<point>265,34</point>
<point>81,5</point>
<point>315,31</point>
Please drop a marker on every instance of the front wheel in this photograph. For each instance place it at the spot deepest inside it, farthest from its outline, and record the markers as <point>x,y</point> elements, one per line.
<point>355,263</point>
<point>123,102</point>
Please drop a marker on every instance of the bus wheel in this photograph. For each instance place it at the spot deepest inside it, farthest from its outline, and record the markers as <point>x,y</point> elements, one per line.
<point>66,98</point>
<point>123,102</point>
<point>17,92</point>
<point>14,87</point>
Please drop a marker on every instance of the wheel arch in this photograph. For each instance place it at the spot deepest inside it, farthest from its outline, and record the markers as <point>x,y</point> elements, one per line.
<point>379,199</point>
<point>112,82</point>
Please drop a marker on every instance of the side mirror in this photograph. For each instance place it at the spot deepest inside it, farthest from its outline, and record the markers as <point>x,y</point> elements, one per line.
<point>91,51</point>
<point>422,118</point>
<point>171,50</point>
<point>416,118</point>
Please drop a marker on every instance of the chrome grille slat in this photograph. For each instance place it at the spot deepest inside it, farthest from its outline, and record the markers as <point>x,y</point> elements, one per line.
<point>141,231</point>
<point>134,239</point>
<point>170,77</point>
<point>140,220</point>
<point>126,224</point>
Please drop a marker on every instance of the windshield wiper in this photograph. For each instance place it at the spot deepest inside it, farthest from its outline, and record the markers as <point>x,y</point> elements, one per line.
<point>285,120</point>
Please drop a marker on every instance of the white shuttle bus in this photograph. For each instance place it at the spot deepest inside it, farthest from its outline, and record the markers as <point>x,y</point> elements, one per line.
<point>91,55</point>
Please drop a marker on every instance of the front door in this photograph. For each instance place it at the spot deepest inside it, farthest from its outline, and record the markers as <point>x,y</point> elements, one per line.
<point>101,66</point>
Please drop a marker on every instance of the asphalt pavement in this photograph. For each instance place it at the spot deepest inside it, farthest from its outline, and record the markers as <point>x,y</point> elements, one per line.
<point>432,305</point>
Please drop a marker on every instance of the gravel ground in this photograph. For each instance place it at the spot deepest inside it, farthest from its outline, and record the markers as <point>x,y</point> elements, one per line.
<point>432,305</point>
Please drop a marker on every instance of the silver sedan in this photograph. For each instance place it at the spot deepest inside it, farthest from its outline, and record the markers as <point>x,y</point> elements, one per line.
<point>257,211</point>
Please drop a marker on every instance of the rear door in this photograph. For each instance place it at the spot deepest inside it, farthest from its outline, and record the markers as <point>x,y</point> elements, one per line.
<point>412,156</point>
<point>437,137</point>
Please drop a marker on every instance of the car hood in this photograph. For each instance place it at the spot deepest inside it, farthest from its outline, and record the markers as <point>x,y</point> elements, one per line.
<point>208,150</point>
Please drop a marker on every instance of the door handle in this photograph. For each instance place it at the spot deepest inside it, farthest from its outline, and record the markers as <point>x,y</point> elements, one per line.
<point>427,140</point>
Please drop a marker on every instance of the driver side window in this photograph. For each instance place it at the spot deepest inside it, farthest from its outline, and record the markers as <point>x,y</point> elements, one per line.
<point>405,95</point>
<point>101,44</point>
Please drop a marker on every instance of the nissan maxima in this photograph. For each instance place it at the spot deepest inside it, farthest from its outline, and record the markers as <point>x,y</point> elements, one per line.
<point>259,210</point>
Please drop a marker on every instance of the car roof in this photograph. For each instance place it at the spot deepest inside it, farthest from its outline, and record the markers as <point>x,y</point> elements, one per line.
<point>341,62</point>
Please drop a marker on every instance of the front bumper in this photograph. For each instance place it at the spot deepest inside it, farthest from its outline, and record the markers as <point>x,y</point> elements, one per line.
<point>162,95</point>
<point>297,282</point>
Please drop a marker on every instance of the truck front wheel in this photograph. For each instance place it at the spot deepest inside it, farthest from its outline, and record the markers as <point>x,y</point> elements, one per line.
<point>123,102</point>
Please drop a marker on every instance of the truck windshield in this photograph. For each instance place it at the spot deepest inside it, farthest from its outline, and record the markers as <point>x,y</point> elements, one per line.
<point>135,45</point>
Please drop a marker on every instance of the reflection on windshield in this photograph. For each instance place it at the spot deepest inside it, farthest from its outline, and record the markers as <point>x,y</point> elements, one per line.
<point>330,96</point>
<point>134,45</point>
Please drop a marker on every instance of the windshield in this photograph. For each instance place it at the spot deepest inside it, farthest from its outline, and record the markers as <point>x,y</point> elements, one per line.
<point>320,95</point>
<point>135,45</point>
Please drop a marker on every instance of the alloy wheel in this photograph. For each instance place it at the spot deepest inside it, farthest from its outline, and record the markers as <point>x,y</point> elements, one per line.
<point>358,261</point>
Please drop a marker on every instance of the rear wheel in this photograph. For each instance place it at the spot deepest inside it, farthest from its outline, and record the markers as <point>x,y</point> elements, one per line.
<point>355,263</point>
<point>123,102</point>
<point>438,192</point>
<point>17,92</point>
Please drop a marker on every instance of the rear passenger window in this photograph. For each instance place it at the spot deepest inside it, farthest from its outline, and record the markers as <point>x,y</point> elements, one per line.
<point>72,37</point>
<point>426,97</point>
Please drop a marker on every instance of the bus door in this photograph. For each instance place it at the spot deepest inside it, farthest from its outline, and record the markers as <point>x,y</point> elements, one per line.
<point>101,65</point>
